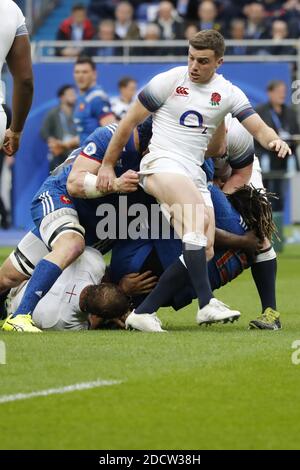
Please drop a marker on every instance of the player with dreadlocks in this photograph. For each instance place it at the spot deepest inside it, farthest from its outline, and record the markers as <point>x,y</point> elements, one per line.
<point>254,206</point>
<point>232,255</point>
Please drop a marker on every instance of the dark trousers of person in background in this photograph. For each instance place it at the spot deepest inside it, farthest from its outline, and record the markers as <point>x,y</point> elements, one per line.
<point>278,187</point>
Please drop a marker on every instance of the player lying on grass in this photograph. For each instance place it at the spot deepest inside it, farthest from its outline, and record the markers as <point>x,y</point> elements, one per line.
<point>232,230</point>
<point>80,299</point>
<point>62,306</point>
<point>66,223</point>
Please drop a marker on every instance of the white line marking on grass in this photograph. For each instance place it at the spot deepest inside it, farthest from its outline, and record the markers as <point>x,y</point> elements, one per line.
<point>58,391</point>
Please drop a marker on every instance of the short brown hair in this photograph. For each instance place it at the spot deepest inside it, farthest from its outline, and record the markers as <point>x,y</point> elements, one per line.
<point>105,300</point>
<point>274,84</point>
<point>82,59</point>
<point>124,81</point>
<point>209,39</point>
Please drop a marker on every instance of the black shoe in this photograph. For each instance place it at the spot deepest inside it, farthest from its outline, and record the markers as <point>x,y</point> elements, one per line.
<point>269,320</point>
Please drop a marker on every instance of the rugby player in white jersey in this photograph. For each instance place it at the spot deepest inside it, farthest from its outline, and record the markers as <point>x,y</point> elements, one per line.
<point>188,104</point>
<point>78,300</point>
<point>15,49</point>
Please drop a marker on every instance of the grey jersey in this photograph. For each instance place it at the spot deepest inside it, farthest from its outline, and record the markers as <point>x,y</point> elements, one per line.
<point>59,309</point>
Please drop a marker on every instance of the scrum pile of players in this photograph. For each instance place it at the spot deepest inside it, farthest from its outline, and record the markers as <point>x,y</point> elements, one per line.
<point>86,294</point>
<point>57,278</point>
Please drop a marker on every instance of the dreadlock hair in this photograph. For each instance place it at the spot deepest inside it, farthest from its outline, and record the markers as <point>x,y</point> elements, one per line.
<point>255,207</point>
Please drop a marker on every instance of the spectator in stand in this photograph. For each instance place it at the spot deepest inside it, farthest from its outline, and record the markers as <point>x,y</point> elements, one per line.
<point>190,31</point>
<point>125,26</point>
<point>58,128</point>
<point>292,16</point>
<point>151,35</point>
<point>127,91</point>
<point>170,24</point>
<point>274,8</point>
<point>256,22</point>
<point>105,32</point>
<point>283,119</point>
<point>75,28</point>
<point>280,32</point>
<point>207,16</point>
<point>187,9</point>
<point>237,32</point>
<point>102,10</point>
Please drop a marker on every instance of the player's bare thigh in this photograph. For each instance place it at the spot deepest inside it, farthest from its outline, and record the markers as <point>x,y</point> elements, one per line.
<point>210,234</point>
<point>187,205</point>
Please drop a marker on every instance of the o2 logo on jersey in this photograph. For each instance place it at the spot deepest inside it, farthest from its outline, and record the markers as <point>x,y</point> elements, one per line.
<point>182,91</point>
<point>191,119</point>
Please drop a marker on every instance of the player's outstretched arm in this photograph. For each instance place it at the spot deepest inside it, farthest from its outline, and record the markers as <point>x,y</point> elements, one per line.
<point>82,179</point>
<point>20,66</point>
<point>266,136</point>
<point>136,114</point>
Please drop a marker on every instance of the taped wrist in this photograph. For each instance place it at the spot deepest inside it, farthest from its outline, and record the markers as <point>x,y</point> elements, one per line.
<point>89,186</point>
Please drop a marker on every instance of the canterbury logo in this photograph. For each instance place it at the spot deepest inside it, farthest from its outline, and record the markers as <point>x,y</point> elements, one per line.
<point>183,91</point>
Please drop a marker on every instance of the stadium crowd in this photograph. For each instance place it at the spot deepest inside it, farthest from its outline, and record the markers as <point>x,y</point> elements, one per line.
<point>170,20</point>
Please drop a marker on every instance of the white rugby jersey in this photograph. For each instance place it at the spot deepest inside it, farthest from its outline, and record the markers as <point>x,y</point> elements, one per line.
<point>186,114</point>
<point>12,24</point>
<point>59,309</point>
<point>240,149</point>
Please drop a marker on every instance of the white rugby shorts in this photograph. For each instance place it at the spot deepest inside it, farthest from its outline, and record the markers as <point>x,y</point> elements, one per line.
<point>153,164</point>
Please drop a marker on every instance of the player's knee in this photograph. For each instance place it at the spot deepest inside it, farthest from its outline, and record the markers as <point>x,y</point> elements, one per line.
<point>77,247</point>
<point>68,248</point>
<point>59,224</point>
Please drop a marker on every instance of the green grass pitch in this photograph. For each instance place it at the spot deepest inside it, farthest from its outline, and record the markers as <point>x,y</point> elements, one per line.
<point>222,387</point>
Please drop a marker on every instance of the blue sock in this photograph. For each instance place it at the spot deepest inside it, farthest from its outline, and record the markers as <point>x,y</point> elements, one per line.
<point>43,278</point>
